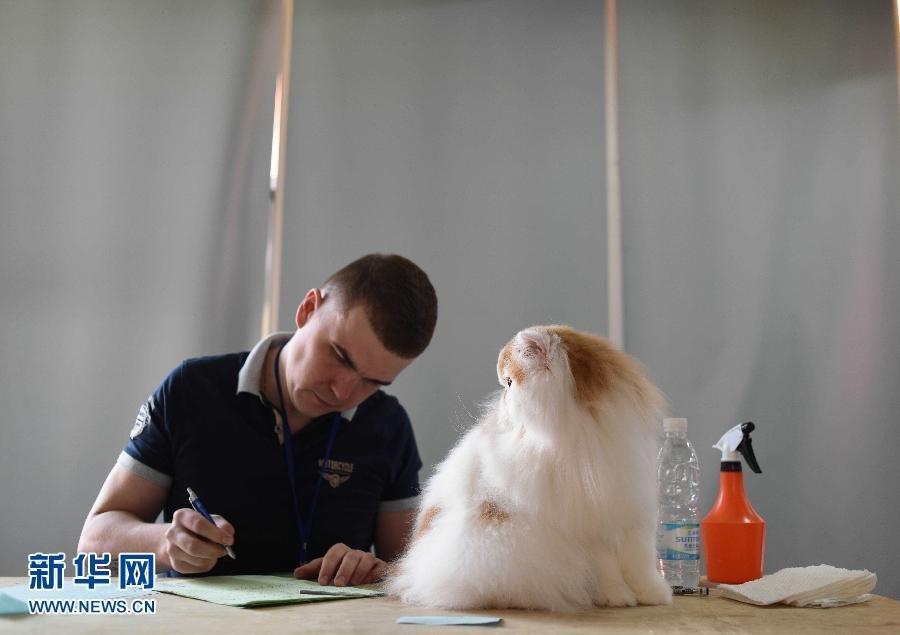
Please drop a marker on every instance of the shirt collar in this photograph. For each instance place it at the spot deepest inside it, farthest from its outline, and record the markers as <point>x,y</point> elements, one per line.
<point>251,374</point>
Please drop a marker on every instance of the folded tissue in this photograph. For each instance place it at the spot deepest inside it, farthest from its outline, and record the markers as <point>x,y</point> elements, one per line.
<point>821,586</point>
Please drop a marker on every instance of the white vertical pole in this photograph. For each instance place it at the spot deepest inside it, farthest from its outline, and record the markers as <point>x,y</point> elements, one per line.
<point>897,43</point>
<point>613,202</point>
<point>269,321</point>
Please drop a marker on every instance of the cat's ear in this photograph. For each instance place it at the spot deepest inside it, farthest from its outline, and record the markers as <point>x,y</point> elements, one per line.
<point>534,343</point>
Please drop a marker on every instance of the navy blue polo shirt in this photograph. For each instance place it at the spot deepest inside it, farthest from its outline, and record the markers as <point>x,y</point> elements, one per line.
<point>204,429</point>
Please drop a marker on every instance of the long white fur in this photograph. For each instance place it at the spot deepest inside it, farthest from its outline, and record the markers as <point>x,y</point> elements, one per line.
<point>579,493</point>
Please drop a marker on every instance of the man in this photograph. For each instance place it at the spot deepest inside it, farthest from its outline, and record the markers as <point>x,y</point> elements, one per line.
<point>217,425</point>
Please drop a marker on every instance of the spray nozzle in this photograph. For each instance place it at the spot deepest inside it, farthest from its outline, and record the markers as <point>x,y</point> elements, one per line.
<point>738,440</point>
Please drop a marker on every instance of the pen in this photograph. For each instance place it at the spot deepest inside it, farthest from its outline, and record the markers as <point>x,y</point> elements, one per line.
<point>200,508</point>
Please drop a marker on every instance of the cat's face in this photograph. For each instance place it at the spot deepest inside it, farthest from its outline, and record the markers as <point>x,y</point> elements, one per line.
<point>526,358</point>
<point>533,371</point>
<point>543,366</point>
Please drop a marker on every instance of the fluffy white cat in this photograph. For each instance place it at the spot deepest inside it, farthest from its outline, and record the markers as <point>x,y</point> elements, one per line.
<point>549,502</point>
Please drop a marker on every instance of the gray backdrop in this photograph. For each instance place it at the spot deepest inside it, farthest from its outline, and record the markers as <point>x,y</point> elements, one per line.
<point>761,208</point>
<point>134,147</point>
<point>759,170</point>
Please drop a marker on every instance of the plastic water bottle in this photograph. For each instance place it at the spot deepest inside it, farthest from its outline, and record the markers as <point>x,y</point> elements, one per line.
<point>678,488</point>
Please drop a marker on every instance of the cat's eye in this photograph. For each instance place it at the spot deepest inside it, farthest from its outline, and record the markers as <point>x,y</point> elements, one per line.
<point>509,382</point>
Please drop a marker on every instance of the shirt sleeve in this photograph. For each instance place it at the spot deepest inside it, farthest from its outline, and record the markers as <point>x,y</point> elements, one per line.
<point>148,452</point>
<point>402,490</point>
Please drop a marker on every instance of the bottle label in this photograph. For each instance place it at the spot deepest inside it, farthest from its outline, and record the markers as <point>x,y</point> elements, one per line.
<point>678,541</point>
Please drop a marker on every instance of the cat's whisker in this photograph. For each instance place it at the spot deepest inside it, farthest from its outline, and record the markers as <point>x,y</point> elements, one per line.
<point>462,403</point>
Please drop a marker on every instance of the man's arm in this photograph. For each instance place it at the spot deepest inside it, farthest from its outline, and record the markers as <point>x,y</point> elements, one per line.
<point>122,520</point>
<point>392,532</point>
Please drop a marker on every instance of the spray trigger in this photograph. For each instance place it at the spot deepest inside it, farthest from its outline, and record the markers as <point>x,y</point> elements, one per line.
<point>737,440</point>
<point>746,447</point>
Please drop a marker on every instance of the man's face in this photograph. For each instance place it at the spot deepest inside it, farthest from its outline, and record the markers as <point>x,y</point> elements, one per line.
<point>335,361</point>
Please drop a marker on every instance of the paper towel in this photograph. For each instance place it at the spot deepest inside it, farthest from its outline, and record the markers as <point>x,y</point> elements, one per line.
<point>820,586</point>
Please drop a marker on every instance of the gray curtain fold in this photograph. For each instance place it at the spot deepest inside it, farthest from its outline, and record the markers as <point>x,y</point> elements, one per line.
<point>759,177</point>
<point>468,137</point>
<point>134,146</point>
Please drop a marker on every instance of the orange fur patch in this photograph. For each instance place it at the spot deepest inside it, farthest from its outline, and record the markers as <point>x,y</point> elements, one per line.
<point>491,512</point>
<point>507,365</point>
<point>596,366</point>
<point>427,517</point>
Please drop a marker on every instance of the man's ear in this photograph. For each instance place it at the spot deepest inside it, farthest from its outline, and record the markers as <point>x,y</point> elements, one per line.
<point>308,306</point>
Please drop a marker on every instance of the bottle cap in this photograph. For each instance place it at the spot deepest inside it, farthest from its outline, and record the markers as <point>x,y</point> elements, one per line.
<point>673,424</point>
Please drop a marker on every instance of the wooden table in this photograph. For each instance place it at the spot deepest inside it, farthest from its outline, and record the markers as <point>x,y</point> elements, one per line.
<point>693,615</point>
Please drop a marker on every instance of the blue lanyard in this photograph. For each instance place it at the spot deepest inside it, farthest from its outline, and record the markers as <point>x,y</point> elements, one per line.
<point>304,530</point>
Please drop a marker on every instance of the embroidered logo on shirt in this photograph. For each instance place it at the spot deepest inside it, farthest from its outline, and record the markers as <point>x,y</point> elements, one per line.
<point>143,418</point>
<point>336,472</point>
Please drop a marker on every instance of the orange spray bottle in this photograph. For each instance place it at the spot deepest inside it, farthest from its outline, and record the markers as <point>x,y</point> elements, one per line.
<point>732,534</point>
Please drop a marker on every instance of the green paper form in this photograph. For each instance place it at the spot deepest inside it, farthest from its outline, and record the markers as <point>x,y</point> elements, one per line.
<point>258,590</point>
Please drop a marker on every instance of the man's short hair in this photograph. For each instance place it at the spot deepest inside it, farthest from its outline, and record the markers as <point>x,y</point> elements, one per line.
<point>399,301</point>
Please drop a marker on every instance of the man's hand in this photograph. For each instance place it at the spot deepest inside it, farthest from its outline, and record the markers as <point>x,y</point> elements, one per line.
<point>343,566</point>
<point>193,544</point>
